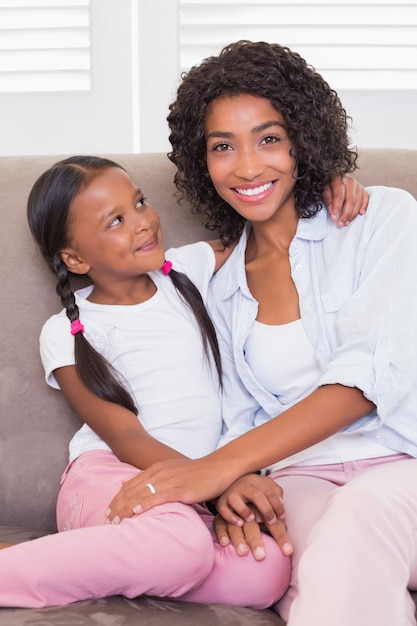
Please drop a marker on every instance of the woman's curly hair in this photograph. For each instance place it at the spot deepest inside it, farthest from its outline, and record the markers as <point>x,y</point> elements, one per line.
<point>316,122</point>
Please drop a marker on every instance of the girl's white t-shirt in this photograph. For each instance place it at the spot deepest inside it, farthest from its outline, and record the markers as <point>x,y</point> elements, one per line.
<point>157,348</point>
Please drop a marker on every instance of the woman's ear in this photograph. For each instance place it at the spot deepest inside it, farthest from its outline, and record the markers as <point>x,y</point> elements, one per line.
<point>74,263</point>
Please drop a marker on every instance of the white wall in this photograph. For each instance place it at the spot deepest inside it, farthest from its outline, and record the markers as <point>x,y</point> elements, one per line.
<point>382,119</point>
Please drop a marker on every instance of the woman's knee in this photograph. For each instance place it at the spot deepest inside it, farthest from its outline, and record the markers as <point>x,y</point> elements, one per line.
<point>376,490</point>
<point>354,501</point>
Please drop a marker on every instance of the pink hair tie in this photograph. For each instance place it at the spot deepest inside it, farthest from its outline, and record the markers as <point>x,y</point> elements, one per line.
<point>76,327</point>
<point>166,268</point>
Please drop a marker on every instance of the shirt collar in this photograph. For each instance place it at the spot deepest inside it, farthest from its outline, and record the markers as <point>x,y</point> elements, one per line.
<point>313,228</point>
<point>233,275</point>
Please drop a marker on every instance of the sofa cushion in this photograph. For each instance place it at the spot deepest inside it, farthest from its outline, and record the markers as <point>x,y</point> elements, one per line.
<point>119,611</point>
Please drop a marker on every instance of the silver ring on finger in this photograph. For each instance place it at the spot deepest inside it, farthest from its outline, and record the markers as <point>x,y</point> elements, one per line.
<point>151,488</point>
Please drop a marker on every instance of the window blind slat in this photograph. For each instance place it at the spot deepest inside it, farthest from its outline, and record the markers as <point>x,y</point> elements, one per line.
<point>42,81</point>
<point>45,38</point>
<point>38,18</point>
<point>294,13</point>
<point>30,4</point>
<point>13,61</point>
<point>301,34</point>
<point>268,3</point>
<point>369,79</point>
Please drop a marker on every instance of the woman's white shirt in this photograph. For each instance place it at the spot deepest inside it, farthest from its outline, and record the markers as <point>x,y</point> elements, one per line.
<point>357,290</point>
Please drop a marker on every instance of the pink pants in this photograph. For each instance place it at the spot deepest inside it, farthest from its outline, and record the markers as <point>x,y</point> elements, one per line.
<point>354,529</point>
<point>168,551</point>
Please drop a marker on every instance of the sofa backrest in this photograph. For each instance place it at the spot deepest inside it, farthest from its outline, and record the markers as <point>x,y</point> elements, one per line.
<point>36,423</point>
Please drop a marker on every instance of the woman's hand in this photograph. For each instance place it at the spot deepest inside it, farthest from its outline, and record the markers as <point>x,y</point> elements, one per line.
<point>176,480</point>
<point>345,198</point>
<point>254,499</point>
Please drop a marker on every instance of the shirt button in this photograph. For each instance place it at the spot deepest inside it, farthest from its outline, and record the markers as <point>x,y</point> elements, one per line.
<point>378,435</point>
<point>298,267</point>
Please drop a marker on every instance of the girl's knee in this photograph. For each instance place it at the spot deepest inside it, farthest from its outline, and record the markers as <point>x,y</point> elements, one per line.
<point>275,574</point>
<point>192,548</point>
<point>256,584</point>
<point>179,550</point>
<point>200,550</point>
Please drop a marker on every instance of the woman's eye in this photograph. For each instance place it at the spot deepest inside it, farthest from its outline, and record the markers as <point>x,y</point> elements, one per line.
<point>271,139</point>
<point>221,147</point>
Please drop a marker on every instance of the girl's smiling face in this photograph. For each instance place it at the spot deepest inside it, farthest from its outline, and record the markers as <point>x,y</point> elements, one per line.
<point>115,236</point>
<point>248,156</point>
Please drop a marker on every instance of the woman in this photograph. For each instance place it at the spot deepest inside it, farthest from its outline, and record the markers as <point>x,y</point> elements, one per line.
<point>317,338</point>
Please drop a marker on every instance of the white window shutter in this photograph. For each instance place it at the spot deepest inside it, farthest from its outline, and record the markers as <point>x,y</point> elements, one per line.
<point>354,45</point>
<point>45,46</point>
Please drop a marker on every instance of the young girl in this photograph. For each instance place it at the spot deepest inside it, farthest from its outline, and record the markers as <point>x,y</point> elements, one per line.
<point>318,338</point>
<point>136,356</point>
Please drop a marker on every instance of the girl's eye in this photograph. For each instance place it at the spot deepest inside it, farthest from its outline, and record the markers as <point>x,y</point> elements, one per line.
<point>140,202</point>
<point>117,220</point>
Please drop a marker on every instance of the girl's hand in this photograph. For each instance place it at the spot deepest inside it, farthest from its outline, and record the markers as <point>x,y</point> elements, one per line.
<point>245,539</point>
<point>252,498</point>
<point>345,199</point>
<point>176,480</point>
<point>249,536</point>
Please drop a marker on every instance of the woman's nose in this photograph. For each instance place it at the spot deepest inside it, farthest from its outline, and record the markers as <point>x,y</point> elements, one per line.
<point>249,164</point>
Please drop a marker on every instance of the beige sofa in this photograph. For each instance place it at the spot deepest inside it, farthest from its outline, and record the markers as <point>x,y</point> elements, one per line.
<point>36,424</point>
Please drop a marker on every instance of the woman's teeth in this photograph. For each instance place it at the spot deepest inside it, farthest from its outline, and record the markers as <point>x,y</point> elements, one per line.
<point>254,190</point>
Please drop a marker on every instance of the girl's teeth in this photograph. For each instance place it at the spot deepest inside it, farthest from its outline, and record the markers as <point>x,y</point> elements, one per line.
<point>254,191</point>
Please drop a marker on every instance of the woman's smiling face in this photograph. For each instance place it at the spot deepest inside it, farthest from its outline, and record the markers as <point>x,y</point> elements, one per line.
<point>249,156</point>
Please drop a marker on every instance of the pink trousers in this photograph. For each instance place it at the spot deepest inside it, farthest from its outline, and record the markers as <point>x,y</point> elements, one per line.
<point>169,551</point>
<point>354,529</point>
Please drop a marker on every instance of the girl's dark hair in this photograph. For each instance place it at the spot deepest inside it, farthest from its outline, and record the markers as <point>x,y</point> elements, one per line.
<point>315,119</point>
<point>49,217</point>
